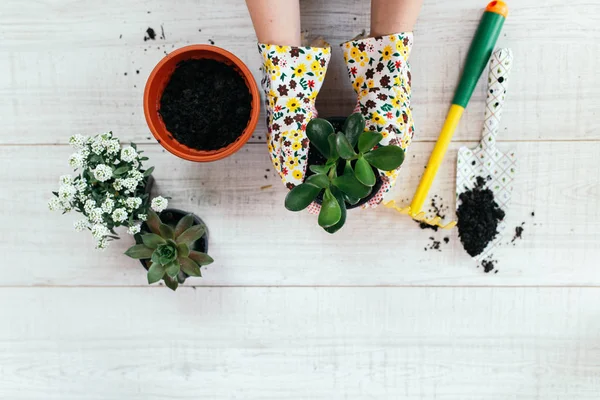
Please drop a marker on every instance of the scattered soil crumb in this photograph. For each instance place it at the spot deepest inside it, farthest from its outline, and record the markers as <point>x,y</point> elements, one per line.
<point>137,71</point>
<point>478,217</point>
<point>533,214</point>
<point>266,177</point>
<point>518,232</point>
<point>446,240</point>
<point>212,42</point>
<point>120,36</point>
<point>162,33</point>
<point>268,170</point>
<point>125,74</point>
<point>151,34</point>
<point>266,187</point>
<point>488,266</point>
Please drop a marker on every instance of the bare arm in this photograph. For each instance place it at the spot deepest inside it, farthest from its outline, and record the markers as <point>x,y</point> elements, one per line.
<point>393,16</point>
<point>276,21</point>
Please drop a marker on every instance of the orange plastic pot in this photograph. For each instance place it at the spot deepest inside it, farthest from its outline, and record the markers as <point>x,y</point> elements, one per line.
<point>158,80</point>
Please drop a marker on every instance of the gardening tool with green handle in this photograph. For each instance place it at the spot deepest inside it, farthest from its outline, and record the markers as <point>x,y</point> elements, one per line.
<point>479,53</point>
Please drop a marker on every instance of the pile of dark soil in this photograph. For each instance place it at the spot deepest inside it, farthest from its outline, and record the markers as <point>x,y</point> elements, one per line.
<point>206,104</point>
<point>478,217</point>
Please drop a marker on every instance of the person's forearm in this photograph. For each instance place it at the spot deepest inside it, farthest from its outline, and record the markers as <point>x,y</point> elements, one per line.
<point>276,21</point>
<point>393,16</point>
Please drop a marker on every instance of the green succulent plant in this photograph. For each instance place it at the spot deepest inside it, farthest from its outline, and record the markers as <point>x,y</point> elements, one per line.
<point>169,250</point>
<point>355,151</point>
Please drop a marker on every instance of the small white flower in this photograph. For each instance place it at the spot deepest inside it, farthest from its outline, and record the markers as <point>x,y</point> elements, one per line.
<point>103,172</point>
<point>130,184</point>
<point>142,217</point>
<point>99,231</point>
<point>97,147</point>
<point>133,202</point>
<point>133,229</point>
<point>119,215</point>
<point>137,175</point>
<point>135,164</point>
<point>76,160</point>
<point>113,146</point>
<point>118,184</point>
<point>78,141</point>
<point>85,152</point>
<point>96,215</point>
<point>80,185</point>
<point>54,204</point>
<point>66,180</point>
<point>89,206</point>
<point>66,193</point>
<point>102,244</point>
<point>66,206</point>
<point>159,204</point>
<point>82,197</point>
<point>108,206</point>
<point>81,225</point>
<point>128,154</point>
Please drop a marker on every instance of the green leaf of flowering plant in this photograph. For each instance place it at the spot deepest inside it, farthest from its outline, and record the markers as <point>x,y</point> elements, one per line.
<point>364,173</point>
<point>331,213</point>
<point>139,252</point>
<point>343,146</point>
<point>155,273</point>
<point>192,234</point>
<point>301,196</point>
<point>354,127</point>
<point>121,170</point>
<point>385,158</point>
<point>152,240</point>
<point>148,172</point>
<point>368,140</point>
<point>318,131</point>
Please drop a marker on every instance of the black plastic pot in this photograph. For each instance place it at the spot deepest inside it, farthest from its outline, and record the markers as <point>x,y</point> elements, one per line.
<point>171,216</point>
<point>316,158</point>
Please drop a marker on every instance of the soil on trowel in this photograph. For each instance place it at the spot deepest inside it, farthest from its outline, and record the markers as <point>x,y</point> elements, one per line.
<point>206,104</point>
<point>478,218</point>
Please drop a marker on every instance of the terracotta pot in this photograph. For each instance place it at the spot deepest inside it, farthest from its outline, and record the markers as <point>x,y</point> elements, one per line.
<point>158,80</point>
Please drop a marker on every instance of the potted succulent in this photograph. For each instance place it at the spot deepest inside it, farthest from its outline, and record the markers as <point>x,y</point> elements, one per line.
<point>348,171</point>
<point>173,248</point>
<point>111,190</point>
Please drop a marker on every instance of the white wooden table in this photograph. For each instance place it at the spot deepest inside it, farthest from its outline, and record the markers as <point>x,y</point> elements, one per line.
<point>288,311</point>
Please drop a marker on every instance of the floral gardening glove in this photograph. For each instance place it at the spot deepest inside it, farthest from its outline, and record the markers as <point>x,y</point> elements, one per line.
<point>380,75</point>
<point>292,78</point>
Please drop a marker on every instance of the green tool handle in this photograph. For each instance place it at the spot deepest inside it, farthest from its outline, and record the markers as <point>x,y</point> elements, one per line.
<point>480,51</point>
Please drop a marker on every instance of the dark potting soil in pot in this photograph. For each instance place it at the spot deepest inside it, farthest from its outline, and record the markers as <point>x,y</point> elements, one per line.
<point>206,105</point>
<point>478,217</point>
<point>316,158</point>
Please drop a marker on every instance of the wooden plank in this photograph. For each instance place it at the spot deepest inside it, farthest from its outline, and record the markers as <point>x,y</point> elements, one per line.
<point>257,242</point>
<point>65,64</point>
<point>300,343</point>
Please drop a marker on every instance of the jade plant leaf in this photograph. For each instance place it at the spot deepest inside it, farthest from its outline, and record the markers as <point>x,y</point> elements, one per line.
<point>354,127</point>
<point>301,196</point>
<point>200,258</point>
<point>386,158</point>
<point>319,169</point>
<point>343,146</point>
<point>152,240</point>
<point>351,200</point>
<point>191,235</point>
<point>155,273</point>
<point>166,231</point>
<point>318,131</point>
<point>173,268</point>
<point>364,173</point>
<point>331,213</point>
<point>153,222</point>
<point>368,140</point>
<point>139,252</point>
<point>184,224</point>
<point>340,199</point>
<point>333,154</point>
<point>319,180</point>
<point>189,267</point>
<point>351,186</point>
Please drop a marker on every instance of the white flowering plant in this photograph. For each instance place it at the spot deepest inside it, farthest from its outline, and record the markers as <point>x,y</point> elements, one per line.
<point>109,190</point>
